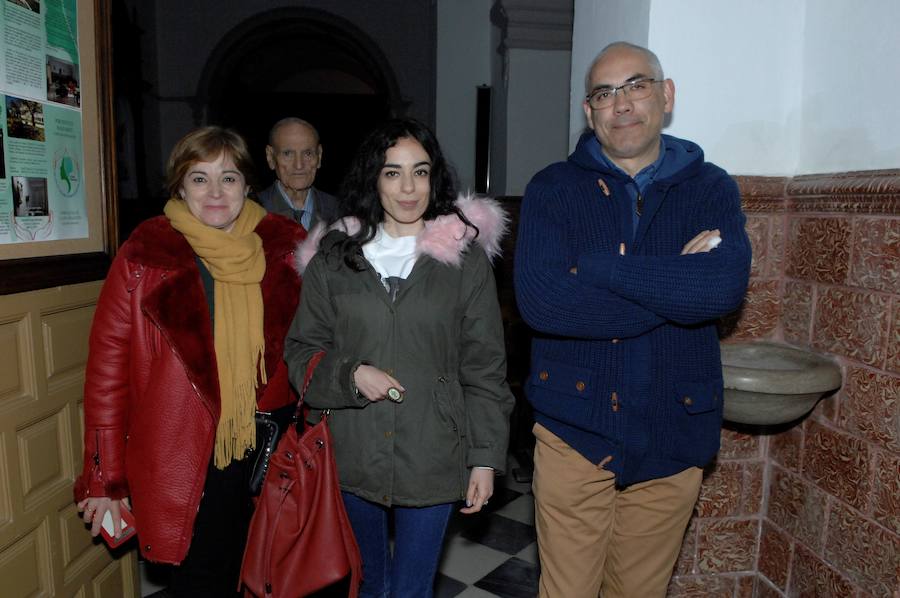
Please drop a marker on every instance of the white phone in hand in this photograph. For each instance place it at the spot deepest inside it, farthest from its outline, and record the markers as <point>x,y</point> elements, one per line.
<point>107,529</point>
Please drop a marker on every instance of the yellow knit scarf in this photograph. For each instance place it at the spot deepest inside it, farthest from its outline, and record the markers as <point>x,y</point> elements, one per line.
<point>237,264</point>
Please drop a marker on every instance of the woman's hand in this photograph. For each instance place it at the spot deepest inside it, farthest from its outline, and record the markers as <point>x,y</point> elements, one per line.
<point>373,383</point>
<point>94,509</point>
<point>481,488</point>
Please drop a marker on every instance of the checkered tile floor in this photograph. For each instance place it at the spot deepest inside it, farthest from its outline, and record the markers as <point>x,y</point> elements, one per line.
<point>491,554</point>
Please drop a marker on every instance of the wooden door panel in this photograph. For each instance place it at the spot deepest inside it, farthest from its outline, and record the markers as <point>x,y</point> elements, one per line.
<point>45,548</point>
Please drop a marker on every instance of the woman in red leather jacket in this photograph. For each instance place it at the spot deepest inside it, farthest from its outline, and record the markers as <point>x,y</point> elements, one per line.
<point>186,344</point>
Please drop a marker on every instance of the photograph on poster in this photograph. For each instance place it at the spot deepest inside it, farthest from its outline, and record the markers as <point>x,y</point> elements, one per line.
<point>29,196</point>
<point>63,86</point>
<point>32,5</point>
<point>24,119</point>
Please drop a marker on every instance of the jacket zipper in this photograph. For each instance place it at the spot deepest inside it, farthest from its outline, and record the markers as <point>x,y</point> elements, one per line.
<point>96,472</point>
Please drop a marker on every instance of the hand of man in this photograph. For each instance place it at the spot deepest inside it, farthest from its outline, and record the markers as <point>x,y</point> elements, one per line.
<point>373,383</point>
<point>703,242</point>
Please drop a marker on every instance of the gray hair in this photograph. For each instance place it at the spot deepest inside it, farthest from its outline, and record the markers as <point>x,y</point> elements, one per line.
<point>291,120</point>
<point>656,70</point>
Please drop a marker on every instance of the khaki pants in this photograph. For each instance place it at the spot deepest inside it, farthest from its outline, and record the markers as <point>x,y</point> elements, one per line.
<point>592,535</point>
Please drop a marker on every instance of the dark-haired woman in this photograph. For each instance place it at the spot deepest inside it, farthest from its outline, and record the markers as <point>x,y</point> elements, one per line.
<point>400,295</point>
<point>187,341</point>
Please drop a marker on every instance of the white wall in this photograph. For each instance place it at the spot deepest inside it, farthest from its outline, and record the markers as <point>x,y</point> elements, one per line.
<point>737,68</point>
<point>595,25</point>
<point>463,63</point>
<point>851,64</point>
<point>793,78</point>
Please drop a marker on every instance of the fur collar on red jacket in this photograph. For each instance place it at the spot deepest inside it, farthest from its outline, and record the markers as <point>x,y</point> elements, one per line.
<point>156,244</point>
<point>178,303</point>
<point>444,239</point>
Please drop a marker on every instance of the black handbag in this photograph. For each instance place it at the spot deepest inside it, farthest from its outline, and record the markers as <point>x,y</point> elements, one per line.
<point>269,427</point>
<point>267,435</point>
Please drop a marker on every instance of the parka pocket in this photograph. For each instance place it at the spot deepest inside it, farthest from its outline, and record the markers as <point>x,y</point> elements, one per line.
<point>452,419</point>
<point>443,404</point>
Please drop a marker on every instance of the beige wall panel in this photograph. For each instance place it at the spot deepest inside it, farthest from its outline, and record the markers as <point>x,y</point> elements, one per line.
<point>25,566</point>
<point>45,549</point>
<point>17,377</point>
<point>117,580</point>
<point>65,336</point>
<point>79,549</point>
<point>77,446</point>
<point>44,459</point>
<point>6,513</point>
<point>90,567</point>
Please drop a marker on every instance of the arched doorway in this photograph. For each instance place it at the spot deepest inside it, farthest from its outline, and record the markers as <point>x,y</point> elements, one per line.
<point>299,62</point>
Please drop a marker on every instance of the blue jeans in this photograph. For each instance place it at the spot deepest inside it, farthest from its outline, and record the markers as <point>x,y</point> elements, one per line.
<point>418,536</point>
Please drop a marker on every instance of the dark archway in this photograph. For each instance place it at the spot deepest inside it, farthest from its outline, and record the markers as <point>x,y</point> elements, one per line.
<point>299,62</point>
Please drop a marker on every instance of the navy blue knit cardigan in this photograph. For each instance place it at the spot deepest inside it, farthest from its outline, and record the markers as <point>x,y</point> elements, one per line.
<point>625,361</point>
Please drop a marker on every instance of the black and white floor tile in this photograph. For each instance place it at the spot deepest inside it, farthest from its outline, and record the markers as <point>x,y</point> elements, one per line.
<point>491,554</point>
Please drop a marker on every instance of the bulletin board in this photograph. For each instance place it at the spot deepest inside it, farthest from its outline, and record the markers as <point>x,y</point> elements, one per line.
<point>57,158</point>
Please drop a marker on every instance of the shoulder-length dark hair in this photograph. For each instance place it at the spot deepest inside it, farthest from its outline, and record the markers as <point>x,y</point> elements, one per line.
<point>359,196</point>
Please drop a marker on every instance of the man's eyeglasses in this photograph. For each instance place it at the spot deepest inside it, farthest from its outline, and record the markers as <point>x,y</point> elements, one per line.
<point>605,97</point>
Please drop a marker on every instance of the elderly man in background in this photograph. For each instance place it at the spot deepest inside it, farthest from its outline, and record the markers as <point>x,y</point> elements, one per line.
<point>295,154</point>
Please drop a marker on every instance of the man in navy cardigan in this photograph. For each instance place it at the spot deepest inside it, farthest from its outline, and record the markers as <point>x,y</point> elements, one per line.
<point>627,254</point>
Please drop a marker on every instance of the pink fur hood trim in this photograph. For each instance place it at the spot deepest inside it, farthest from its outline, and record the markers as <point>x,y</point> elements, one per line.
<point>445,238</point>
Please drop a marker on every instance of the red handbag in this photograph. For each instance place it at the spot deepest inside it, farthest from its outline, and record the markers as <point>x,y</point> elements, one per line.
<point>300,538</point>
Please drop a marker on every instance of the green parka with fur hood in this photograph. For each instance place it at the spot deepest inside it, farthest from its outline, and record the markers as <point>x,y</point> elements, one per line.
<point>441,338</point>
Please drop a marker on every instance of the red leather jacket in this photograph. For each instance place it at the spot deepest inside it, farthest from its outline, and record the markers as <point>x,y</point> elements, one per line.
<point>151,394</point>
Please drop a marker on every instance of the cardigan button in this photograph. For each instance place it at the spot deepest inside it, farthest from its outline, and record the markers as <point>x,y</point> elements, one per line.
<point>688,401</point>
<point>544,375</point>
<point>614,341</point>
<point>579,386</point>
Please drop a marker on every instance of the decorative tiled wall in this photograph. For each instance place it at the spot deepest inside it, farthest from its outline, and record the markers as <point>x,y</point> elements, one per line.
<point>813,509</point>
<point>719,554</point>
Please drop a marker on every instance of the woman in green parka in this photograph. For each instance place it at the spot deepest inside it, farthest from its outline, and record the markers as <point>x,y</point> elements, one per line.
<point>401,297</point>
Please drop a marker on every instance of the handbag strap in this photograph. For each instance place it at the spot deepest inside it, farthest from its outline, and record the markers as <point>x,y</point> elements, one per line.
<point>310,368</point>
